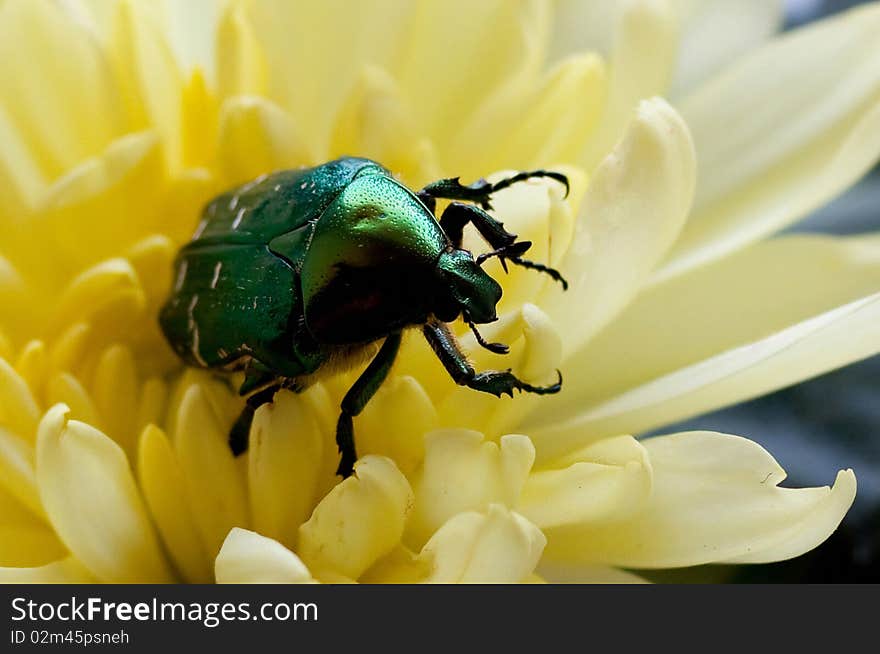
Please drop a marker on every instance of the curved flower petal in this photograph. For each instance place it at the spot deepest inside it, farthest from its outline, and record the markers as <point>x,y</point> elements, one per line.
<point>91,498</point>
<point>640,66</point>
<point>164,490</point>
<point>18,407</point>
<point>463,472</point>
<point>634,207</point>
<point>286,462</point>
<point>241,64</point>
<point>256,137</point>
<point>700,342</point>
<point>495,547</point>
<point>608,480</point>
<point>249,558</point>
<point>715,33</point>
<point>214,482</point>
<point>359,521</point>
<point>715,498</point>
<point>780,133</point>
<point>45,100</point>
<point>64,571</point>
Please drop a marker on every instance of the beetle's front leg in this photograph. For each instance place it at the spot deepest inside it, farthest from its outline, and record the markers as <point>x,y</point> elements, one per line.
<point>496,382</point>
<point>457,215</point>
<point>356,399</point>
<point>481,190</point>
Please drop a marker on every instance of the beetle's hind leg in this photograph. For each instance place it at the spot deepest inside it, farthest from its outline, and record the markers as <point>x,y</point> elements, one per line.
<point>356,399</point>
<point>480,191</point>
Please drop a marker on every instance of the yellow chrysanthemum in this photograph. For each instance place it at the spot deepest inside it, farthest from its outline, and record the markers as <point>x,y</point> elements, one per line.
<point>118,120</point>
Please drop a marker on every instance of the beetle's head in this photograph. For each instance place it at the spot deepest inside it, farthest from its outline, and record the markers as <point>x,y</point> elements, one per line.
<point>465,289</point>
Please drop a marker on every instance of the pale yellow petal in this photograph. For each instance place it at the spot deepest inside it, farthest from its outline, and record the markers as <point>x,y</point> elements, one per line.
<point>17,474</point>
<point>715,33</point>
<point>464,472</point>
<point>640,66</point>
<point>495,547</point>
<point>241,65</point>
<point>215,486</point>
<point>64,571</point>
<point>257,137</point>
<point>395,421</point>
<point>43,94</point>
<point>83,211</point>
<point>249,558</point>
<point>164,490</point>
<point>115,390</point>
<point>376,121</point>
<point>557,573</point>
<point>359,521</point>
<point>88,491</point>
<point>781,133</point>
<point>18,407</point>
<point>314,50</point>
<point>635,206</point>
<point>33,365</point>
<point>65,388</point>
<point>285,463</point>
<point>703,341</point>
<point>606,481</point>
<point>715,498</point>
<point>153,84</point>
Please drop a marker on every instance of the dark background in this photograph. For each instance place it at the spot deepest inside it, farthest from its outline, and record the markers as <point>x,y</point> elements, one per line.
<point>820,426</point>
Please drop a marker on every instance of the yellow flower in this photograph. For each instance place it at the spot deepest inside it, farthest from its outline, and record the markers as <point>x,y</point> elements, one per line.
<point>113,460</point>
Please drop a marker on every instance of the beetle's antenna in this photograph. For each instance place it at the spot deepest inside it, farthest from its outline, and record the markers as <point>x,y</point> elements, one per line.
<point>555,274</point>
<point>497,348</point>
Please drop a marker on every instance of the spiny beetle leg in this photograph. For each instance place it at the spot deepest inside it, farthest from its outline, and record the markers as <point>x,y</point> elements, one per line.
<point>500,382</point>
<point>481,190</point>
<point>447,349</point>
<point>356,399</point>
<point>238,435</point>
<point>457,215</point>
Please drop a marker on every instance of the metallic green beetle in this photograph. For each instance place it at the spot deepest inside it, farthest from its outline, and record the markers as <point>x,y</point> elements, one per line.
<point>303,272</point>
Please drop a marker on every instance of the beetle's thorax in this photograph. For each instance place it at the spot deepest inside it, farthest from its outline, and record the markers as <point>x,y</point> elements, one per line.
<point>370,268</point>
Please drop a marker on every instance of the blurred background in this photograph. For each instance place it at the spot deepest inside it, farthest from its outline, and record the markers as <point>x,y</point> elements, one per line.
<point>821,426</point>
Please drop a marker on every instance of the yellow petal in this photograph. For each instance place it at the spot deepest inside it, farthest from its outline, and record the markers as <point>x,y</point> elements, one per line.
<point>634,208</point>
<point>83,209</point>
<point>89,494</point>
<point>703,341</point>
<point>33,364</point>
<point>715,498</point>
<point>18,408</point>
<point>376,122</point>
<point>64,571</point>
<point>17,475</point>
<point>214,483</point>
<point>359,521</point>
<point>606,481</point>
<point>715,33</point>
<point>45,95</point>
<point>115,389</point>
<point>555,573</point>
<point>781,133</point>
<point>153,86</point>
<point>495,547</point>
<point>468,72</point>
<point>249,558</point>
<point>257,137</point>
<point>462,472</point>
<point>20,176</point>
<point>65,388</point>
<point>285,463</point>
<point>395,421</point>
<point>640,66</point>
<point>241,64</point>
<point>314,51</point>
<point>164,490</point>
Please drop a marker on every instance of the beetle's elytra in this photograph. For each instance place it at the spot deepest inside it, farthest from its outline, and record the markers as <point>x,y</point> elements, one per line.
<point>300,271</point>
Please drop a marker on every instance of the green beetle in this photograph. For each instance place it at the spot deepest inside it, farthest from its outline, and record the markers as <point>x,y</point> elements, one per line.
<point>303,272</point>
